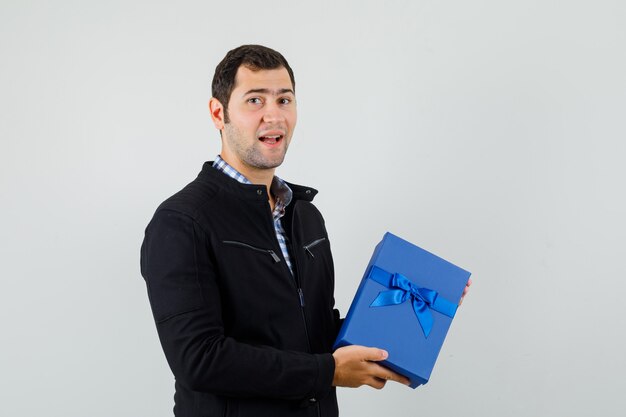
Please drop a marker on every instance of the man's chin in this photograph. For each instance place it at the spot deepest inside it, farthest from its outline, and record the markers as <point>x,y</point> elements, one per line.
<point>270,164</point>
<point>266,163</point>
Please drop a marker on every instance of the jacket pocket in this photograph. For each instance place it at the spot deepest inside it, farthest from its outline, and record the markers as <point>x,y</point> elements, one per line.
<point>309,246</point>
<point>270,252</point>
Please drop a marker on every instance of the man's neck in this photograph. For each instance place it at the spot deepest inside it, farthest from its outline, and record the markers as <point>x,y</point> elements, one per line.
<point>254,175</point>
<point>257,176</point>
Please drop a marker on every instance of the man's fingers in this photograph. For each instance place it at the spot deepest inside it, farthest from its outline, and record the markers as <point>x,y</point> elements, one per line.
<point>383,373</point>
<point>376,383</point>
<point>398,378</point>
<point>357,365</point>
<point>465,290</point>
<point>374,354</point>
<point>380,372</point>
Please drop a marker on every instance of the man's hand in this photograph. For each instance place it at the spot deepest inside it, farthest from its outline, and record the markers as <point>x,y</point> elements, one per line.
<point>355,366</point>
<point>465,290</point>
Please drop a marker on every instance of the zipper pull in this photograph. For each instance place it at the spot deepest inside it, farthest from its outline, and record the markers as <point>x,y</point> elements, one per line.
<point>306,248</point>
<point>301,294</point>
<point>274,256</point>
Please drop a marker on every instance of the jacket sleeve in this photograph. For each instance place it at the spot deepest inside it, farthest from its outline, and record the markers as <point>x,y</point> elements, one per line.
<point>190,328</point>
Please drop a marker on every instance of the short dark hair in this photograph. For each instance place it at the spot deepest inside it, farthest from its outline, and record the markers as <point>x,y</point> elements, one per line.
<point>253,57</point>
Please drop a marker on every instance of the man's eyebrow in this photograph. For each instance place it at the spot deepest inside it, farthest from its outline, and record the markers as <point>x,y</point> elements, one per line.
<point>268,91</point>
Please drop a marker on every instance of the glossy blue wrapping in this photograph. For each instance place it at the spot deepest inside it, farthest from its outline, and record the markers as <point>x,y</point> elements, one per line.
<point>395,328</point>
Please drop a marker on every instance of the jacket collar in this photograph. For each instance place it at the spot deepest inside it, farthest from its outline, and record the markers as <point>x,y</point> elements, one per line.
<point>249,191</point>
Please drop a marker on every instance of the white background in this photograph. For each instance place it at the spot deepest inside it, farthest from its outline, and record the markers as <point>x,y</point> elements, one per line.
<point>491,133</point>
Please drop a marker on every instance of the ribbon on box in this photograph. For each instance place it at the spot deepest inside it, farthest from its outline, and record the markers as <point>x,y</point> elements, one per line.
<point>401,290</point>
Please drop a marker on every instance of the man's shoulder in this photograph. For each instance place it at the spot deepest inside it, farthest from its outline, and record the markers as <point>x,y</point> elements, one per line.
<point>194,196</point>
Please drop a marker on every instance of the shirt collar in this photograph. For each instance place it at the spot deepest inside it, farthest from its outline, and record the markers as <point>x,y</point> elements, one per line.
<point>279,188</point>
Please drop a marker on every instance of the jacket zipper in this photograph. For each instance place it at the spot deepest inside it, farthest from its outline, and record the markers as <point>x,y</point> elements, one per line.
<point>299,287</point>
<point>297,282</point>
<point>245,245</point>
<point>313,244</point>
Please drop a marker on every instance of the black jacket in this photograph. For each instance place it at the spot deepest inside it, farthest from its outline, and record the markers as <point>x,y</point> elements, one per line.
<point>242,335</point>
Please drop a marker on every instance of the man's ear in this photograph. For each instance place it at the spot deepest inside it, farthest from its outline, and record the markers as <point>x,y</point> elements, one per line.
<point>217,113</point>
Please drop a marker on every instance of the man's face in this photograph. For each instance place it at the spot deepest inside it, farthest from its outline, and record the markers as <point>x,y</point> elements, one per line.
<point>262,112</point>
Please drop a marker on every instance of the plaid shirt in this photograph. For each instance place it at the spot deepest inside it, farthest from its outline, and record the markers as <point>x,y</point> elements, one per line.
<point>281,192</point>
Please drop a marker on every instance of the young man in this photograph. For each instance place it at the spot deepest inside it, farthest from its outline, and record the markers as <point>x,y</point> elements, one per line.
<point>239,270</point>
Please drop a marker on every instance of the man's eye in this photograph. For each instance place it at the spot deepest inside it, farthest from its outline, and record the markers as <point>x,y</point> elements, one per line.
<point>254,100</point>
<point>285,100</point>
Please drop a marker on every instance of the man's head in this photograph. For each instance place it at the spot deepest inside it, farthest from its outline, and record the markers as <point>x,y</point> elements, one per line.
<point>253,57</point>
<point>254,107</point>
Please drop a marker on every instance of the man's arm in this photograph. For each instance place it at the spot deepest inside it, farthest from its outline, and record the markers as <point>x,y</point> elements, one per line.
<point>190,327</point>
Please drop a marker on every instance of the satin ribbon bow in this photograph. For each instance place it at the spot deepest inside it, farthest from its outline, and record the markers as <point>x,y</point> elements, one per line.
<point>422,299</point>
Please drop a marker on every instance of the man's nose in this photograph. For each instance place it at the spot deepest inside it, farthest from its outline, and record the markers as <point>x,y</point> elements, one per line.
<point>273,113</point>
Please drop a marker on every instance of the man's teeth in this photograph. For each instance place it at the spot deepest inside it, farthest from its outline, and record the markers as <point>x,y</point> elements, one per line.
<point>271,139</point>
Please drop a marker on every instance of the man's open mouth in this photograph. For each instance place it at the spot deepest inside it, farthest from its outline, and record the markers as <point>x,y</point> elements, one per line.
<point>271,139</point>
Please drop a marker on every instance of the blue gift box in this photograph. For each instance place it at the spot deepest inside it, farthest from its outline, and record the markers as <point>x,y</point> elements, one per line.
<point>405,304</point>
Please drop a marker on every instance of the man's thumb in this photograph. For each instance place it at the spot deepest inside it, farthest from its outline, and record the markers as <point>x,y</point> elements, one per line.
<point>375,354</point>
